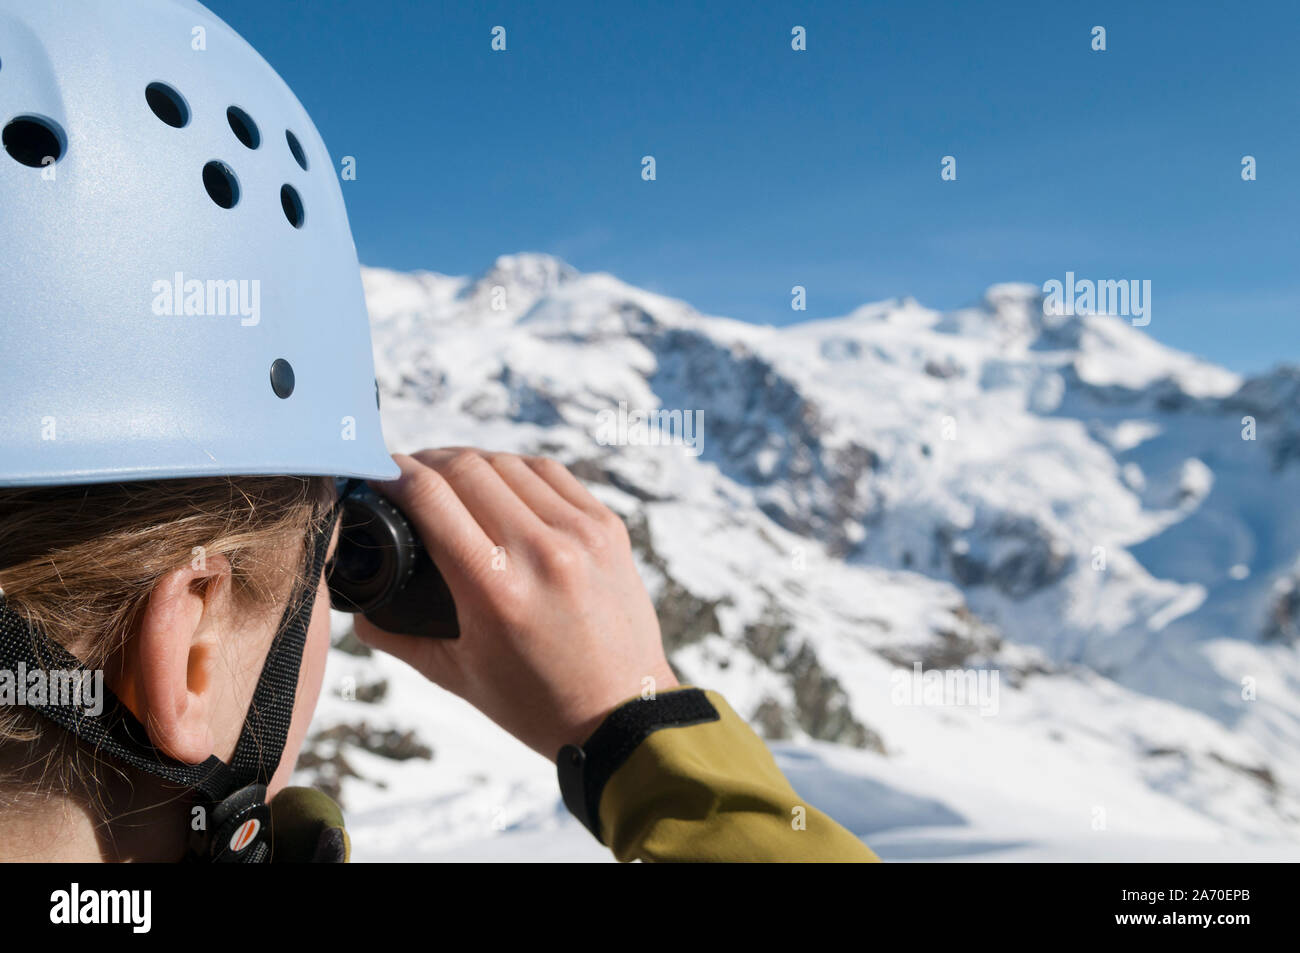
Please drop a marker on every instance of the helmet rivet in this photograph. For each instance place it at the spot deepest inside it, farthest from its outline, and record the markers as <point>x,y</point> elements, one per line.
<point>281,378</point>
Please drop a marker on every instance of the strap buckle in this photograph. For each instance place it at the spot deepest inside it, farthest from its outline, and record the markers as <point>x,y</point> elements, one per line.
<point>238,829</point>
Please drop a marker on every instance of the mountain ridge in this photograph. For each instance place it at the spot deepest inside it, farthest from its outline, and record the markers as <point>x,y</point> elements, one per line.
<point>1061,500</point>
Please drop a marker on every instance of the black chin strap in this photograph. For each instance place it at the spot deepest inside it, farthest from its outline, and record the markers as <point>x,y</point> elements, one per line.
<point>237,825</point>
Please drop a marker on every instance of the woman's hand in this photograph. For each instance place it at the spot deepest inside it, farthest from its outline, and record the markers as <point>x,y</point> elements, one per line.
<point>556,626</point>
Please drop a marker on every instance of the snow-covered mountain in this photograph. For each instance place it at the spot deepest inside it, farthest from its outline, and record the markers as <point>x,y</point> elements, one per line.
<point>1091,532</point>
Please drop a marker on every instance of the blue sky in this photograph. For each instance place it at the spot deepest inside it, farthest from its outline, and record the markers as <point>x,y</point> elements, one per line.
<point>821,168</point>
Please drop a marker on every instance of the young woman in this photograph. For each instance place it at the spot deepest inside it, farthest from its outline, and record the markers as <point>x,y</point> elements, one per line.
<point>186,370</point>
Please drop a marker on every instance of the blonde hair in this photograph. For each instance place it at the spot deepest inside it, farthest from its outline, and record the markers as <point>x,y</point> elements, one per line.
<point>79,563</point>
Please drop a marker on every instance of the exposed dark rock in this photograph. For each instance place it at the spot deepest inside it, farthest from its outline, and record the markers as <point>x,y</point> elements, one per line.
<point>595,471</point>
<point>352,645</point>
<point>841,349</point>
<point>944,370</point>
<point>972,644</point>
<point>1286,449</point>
<point>425,384</point>
<point>947,650</point>
<point>387,743</point>
<point>684,618</point>
<point>371,693</point>
<point>762,431</point>
<point>768,638</point>
<point>771,720</point>
<point>1275,394</point>
<point>636,319</point>
<point>528,404</point>
<point>1283,621</point>
<point>1261,773</point>
<point>1016,555</point>
<point>821,706</point>
<point>327,770</point>
<point>481,406</point>
<point>1165,753</point>
<point>324,756</point>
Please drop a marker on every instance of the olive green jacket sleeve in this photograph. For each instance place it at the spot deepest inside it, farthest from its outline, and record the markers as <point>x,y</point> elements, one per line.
<point>712,792</point>
<point>307,827</point>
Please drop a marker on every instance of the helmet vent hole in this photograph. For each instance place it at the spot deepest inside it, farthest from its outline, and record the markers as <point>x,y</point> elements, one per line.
<point>167,104</point>
<point>221,184</point>
<point>296,148</point>
<point>292,204</point>
<point>33,141</point>
<point>282,378</point>
<point>242,125</point>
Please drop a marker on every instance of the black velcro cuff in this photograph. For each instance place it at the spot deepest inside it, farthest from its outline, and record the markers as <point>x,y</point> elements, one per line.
<point>585,771</point>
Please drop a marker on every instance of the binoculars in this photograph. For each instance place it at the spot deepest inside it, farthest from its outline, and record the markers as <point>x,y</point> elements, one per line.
<point>382,570</point>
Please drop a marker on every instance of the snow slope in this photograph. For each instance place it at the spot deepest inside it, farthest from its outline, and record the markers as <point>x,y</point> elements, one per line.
<point>1059,510</point>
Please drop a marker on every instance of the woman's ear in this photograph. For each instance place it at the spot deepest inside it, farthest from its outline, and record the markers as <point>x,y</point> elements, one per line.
<point>167,674</point>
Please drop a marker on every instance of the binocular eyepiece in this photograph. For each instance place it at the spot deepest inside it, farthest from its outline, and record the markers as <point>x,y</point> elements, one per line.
<point>382,570</point>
